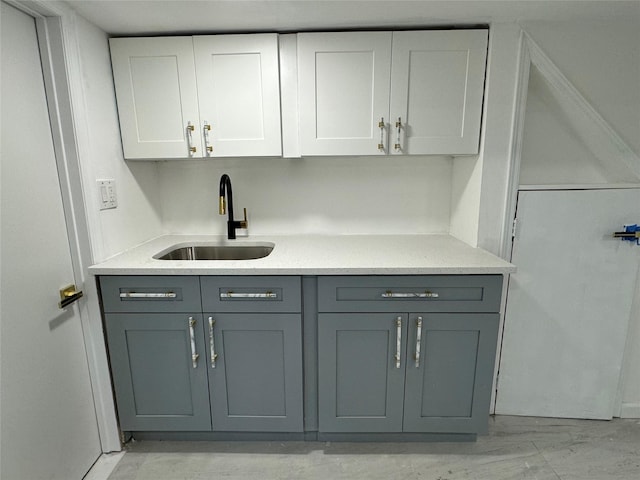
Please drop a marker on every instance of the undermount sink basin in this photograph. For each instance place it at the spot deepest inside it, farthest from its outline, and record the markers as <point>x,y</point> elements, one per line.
<point>216,252</point>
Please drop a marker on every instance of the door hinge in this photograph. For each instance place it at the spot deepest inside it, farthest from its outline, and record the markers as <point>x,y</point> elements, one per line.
<point>514,227</point>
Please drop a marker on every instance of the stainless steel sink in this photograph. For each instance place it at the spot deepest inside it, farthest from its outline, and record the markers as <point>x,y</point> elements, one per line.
<point>216,252</point>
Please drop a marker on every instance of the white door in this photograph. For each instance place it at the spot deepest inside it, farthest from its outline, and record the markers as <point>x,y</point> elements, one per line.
<point>48,420</point>
<point>343,82</point>
<point>569,304</point>
<point>437,85</point>
<point>239,94</point>
<point>155,84</point>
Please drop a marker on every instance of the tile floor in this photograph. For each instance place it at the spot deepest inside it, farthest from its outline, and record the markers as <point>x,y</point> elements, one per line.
<point>515,448</point>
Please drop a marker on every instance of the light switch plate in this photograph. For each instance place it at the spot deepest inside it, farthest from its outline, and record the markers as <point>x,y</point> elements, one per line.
<point>107,194</point>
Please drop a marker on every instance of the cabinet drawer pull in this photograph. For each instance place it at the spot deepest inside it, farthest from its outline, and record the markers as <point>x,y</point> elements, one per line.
<point>398,340</point>
<point>148,295</point>
<point>418,340</point>
<point>192,337</point>
<point>426,294</point>
<point>212,345</point>
<point>248,295</point>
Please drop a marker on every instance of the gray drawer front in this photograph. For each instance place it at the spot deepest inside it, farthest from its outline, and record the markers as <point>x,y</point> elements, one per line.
<point>150,293</point>
<point>251,294</point>
<point>424,293</point>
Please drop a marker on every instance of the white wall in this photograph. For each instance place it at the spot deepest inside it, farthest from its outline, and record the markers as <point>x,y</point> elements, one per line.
<point>552,151</point>
<point>321,195</point>
<point>466,182</point>
<point>137,217</point>
<point>602,60</point>
<point>500,101</point>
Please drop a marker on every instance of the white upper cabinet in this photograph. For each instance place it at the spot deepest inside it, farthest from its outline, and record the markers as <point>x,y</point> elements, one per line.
<point>347,93</point>
<point>426,85</point>
<point>157,100</point>
<point>343,82</point>
<point>210,96</point>
<point>239,94</point>
<point>437,83</point>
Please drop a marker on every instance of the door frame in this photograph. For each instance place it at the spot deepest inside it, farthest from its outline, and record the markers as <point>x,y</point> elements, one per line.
<point>58,42</point>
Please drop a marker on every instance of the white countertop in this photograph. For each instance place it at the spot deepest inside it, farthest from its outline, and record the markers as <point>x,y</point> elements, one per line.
<point>315,255</point>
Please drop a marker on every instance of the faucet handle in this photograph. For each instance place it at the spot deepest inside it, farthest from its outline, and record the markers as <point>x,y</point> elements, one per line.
<point>244,223</point>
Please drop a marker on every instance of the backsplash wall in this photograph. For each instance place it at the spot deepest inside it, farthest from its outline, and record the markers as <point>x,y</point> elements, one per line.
<point>321,195</point>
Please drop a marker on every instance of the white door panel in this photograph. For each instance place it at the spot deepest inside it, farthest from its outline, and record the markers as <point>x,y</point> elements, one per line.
<point>48,422</point>
<point>569,304</point>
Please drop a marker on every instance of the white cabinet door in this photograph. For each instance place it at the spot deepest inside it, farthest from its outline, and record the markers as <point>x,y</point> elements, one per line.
<point>343,92</point>
<point>157,100</point>
<point>437,87</point>
<point>239,94</point>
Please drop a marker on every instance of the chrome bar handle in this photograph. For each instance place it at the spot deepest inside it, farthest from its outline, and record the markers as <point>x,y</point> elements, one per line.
<point>148,295</point>
<point>248,295</point>
<point>381,127</point>
<point>398,340</point>
<point>418,340</point>
<point>396,146</point>
<point>212,345</point>
<point>425,294</point>
<point>208,149</point>
<point>192,337</point>
<point>190,148</point>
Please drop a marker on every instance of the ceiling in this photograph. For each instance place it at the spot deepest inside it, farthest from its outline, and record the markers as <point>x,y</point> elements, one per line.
<point>136,17</point>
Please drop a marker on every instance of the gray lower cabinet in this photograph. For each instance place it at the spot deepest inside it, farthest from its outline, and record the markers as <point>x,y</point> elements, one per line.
<point>425,372</point>
<point>213,371</point>
<point>256,375</point>
<point>448,386</point>
<point>395,354</point>
<point>157,383</point>
<point>360,388</point>
<point>255,342</point>
<point>150,322</point>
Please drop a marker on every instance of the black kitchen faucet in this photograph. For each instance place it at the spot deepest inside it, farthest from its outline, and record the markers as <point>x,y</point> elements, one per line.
<point>232,225</point>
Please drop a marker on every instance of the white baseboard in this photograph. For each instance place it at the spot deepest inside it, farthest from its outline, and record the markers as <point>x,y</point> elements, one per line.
<point>630,410</point>
<point>104,466</point>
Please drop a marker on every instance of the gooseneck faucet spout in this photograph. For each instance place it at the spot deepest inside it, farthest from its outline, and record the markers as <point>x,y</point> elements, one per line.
<point>225,192</point>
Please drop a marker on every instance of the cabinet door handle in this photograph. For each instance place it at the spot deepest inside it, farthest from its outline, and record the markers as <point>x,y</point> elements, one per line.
<point>425,294</point>
<point>398,340</point>
<point>190,148</point>
<point>397,146</point>
<point>208,149</point>
<point>248,295</point>
<point>381,126</point>
<point>212,345</point>
<point>192,337</point>
<point>148,295</point>
<point>418,340</point>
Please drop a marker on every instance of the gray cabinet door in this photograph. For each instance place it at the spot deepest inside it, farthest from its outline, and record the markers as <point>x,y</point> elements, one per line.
<point>157,382</point>
<point>448,387</point>
<point>255,374</point>
<point>360,384</point>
